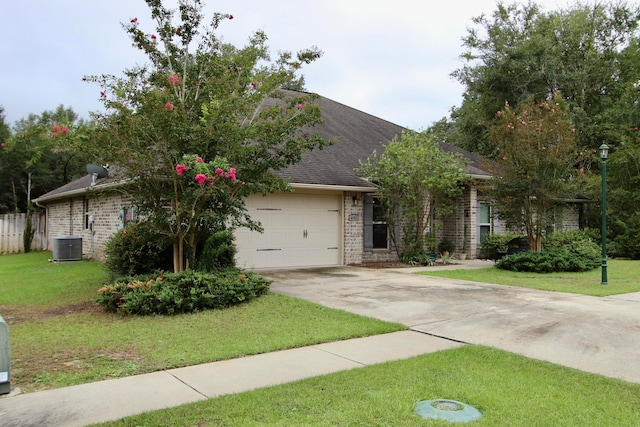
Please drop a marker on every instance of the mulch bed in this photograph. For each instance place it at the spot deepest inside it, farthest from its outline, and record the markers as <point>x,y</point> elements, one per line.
<point>394,264</point>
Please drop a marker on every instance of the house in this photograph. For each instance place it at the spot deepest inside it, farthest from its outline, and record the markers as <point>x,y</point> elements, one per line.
<point>330,218</point>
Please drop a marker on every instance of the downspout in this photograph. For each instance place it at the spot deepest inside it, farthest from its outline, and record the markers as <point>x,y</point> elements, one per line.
<point>71,216</point>
<point>46,223</point>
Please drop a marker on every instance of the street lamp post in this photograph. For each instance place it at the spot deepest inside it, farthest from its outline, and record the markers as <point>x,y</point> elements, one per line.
<point>604,154</point>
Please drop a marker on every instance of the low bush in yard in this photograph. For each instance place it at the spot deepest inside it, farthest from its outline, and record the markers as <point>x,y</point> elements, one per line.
<point>138,249</point>
<point>551,260</point>
<point>184,292</point>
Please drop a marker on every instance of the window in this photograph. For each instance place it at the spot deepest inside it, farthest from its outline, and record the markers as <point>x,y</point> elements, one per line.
<point>376,230</point>
<point>87,222</point>
<point>484,220</point>
<point>127,215</point>
<point>380,231</point>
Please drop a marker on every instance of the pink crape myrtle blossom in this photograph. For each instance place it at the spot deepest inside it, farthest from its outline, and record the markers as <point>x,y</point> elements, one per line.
<point>199,160</point>
<point>168,106</point>
<point>201,178</point>
<point>180,169</point>
<point>219,172</point>
<point>231,174</point>
<point>64,130</point>
<point>173,79</point>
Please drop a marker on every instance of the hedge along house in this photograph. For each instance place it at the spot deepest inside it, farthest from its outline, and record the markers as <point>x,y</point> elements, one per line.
<point>331,217</point>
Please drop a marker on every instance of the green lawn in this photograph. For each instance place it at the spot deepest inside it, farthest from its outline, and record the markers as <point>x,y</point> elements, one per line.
<point>30,279</point>
<point>623,277</point>
<point>509,390</point>
<point>60,338</point>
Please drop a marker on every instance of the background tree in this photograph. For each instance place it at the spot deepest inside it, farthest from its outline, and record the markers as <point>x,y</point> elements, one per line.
<point>588,52</point>
<point>584,52</point>
<point>7,201</point>
<point>535,168</point>
<point>201,97</point>
<point>416,179</point>
<point>38,157</point>
<point>5,132</point>
<point>624,164</point>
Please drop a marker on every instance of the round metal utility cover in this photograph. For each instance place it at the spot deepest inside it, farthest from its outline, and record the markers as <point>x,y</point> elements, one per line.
<point>450,410</point>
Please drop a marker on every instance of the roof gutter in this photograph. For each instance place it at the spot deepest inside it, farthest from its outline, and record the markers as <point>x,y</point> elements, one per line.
<point>72,193</point>
<point>332,187</point>
<point>481,177</point>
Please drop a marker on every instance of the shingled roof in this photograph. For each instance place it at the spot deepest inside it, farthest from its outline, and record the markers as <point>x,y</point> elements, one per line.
<point>357,135</point>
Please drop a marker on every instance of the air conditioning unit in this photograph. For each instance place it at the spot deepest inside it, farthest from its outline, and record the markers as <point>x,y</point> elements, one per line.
<point>67,248</point>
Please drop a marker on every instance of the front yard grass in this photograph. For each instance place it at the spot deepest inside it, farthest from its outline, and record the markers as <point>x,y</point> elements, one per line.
<point>623,277</point>
<point>509,390</point>
<point>59,337</point>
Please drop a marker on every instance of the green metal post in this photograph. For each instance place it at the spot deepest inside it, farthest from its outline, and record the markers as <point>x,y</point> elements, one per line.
<point>604,221</point>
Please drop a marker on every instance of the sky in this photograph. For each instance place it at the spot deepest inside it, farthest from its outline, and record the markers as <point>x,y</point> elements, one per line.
<point>391,59</point>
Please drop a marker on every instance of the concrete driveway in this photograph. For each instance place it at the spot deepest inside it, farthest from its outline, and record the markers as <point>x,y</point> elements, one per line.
<point>594,334</point>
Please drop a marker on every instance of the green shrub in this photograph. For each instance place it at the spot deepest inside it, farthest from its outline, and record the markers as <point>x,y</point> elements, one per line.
<point>415,254</point>
<point>28,233</point>
<point>218,253</point>
<point>495,244</point>
<point>138,249</point>
<point>184,292</point>
<point>570,238</point>
<point>551,260</point>
<point>626,240</point>
<point>446,245</point>
<point>417,257</point>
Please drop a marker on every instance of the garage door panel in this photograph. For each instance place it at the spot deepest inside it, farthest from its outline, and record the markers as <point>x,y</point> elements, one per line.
<point>287,220</point>
<point>300,230</point>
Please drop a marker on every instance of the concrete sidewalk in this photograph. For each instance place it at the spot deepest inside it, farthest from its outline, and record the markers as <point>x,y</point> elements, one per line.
<point>114,399</point>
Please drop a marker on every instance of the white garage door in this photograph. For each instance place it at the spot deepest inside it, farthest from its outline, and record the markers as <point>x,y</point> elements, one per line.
<point>300,230</point>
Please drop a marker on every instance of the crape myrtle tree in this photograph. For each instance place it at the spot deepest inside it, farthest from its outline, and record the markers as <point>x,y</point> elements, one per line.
<point>536,166</point>
<point>202,125</point>
<point>416,179</point>
<point>38,157</point>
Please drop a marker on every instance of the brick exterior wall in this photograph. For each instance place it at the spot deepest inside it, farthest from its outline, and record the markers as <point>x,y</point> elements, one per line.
<point>67,218</point>
<point>570,218</point>
<point>354,234</point>
<point>353,228</point>
<point>452,227</point>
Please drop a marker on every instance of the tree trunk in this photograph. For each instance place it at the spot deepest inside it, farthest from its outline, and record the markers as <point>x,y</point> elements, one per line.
<point>178,256</point>
<point>192,247</point>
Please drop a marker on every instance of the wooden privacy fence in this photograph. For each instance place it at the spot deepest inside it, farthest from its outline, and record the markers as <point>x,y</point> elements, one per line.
<point>12,229</point>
